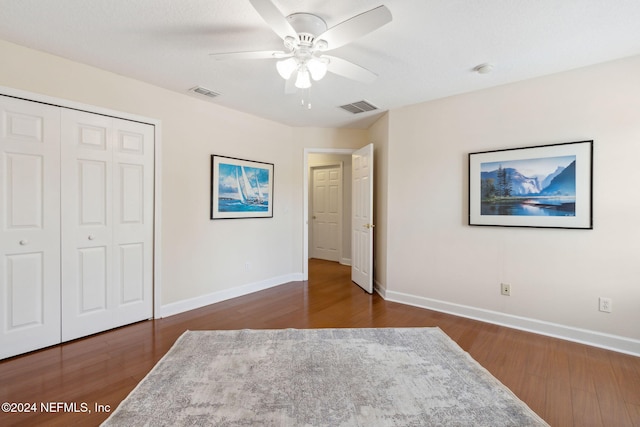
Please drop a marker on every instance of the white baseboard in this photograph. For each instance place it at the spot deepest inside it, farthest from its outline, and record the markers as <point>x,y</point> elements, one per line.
<point>345,261</point>
<point>583,336</point>
<point>378,288</point>
<point>201,301</point>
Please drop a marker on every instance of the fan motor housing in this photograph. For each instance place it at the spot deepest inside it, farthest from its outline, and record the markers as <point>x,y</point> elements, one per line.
<point>307,24</point>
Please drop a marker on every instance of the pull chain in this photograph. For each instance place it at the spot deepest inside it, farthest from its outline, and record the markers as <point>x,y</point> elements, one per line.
<point>308,101</point>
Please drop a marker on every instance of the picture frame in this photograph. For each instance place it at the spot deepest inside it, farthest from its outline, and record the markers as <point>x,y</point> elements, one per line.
<point>241,188</point>
<point>549,186</point>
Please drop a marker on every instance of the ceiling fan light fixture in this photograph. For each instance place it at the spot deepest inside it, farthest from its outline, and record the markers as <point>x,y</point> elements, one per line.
<point>303,81</point>
<point>286,67</point>
<point>317,67</point>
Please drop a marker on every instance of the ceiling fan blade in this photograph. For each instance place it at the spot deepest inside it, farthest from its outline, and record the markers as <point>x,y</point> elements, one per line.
<point>272,16</point>
<point>355,27</point>
<point>350,70</point>
<point>264,54</point>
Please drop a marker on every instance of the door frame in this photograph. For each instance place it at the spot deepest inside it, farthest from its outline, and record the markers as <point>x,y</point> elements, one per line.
<point>157,178</point>
<point>305,200</point>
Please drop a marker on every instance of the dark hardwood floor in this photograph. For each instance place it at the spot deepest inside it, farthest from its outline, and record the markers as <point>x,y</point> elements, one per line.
<point>567,384</point>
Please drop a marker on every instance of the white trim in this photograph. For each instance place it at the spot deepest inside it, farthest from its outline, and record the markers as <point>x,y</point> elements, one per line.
<point>305,199</point>
<point>60,102</point>
<point>157,124</point>
<point>157,225</point>
<point>215,297</point>
<point>345,261</point>
<point>582,336</point>
<point>379,289</point>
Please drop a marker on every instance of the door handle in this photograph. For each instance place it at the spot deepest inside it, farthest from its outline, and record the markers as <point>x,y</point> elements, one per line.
<point>23,242</point>
<point>91,237</point>
<point>368,226</point>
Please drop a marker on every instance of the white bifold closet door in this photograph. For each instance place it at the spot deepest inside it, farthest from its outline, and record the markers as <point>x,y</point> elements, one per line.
<point>29,226</point>
<point>76,224</point>
<point>107,222</point>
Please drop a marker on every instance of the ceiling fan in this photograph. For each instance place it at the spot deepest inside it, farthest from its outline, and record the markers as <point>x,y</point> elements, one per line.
<point>306,38</point>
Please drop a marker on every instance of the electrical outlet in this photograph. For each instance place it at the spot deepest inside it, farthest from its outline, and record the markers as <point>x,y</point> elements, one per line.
<point>505,289</point>
<point>605,304</point>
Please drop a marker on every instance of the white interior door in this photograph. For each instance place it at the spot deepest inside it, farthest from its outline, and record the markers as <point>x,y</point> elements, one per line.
<point>326,213</point>
<point>362,218</point>
<point>107,231</point>
<point>29,226</point>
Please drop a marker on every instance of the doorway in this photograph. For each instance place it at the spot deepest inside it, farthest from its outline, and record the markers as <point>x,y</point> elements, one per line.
<point>319,157</point>
<point>360,223</point>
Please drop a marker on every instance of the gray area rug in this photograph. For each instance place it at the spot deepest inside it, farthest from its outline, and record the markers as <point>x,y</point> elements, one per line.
<point>320,377</point>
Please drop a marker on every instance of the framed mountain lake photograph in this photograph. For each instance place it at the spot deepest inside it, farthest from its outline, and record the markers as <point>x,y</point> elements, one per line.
<point>241,188</point>
<point>541,186</point>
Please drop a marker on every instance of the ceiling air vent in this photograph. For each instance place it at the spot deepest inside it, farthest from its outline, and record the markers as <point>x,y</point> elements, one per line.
<point>359,107</point>
<point>204,91</point>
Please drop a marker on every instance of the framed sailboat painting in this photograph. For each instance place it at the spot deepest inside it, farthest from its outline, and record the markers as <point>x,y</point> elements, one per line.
<point>241,188</point>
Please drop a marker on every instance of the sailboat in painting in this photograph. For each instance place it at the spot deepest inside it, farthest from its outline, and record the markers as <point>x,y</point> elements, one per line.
<point>239,187</point>
<point>249,194</point>
<point>244,196</point>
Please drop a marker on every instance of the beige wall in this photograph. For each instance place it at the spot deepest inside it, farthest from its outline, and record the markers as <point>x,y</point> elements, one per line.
<point>425,253</point>
<point>200,258</point>
<point>435,259</point>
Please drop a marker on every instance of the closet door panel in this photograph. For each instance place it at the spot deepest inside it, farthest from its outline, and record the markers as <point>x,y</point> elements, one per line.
<point>29,226</point>
<point>133,221</point>
<point>107,235</point>
<point>24,198</point>
<point>92,280</point>
<point>132,273</point>
<point>92,193</point>
<point>25,290</point>
<point>87,255</point>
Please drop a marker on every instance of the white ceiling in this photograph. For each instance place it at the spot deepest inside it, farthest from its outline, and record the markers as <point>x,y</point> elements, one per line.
<point>427,52</point>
